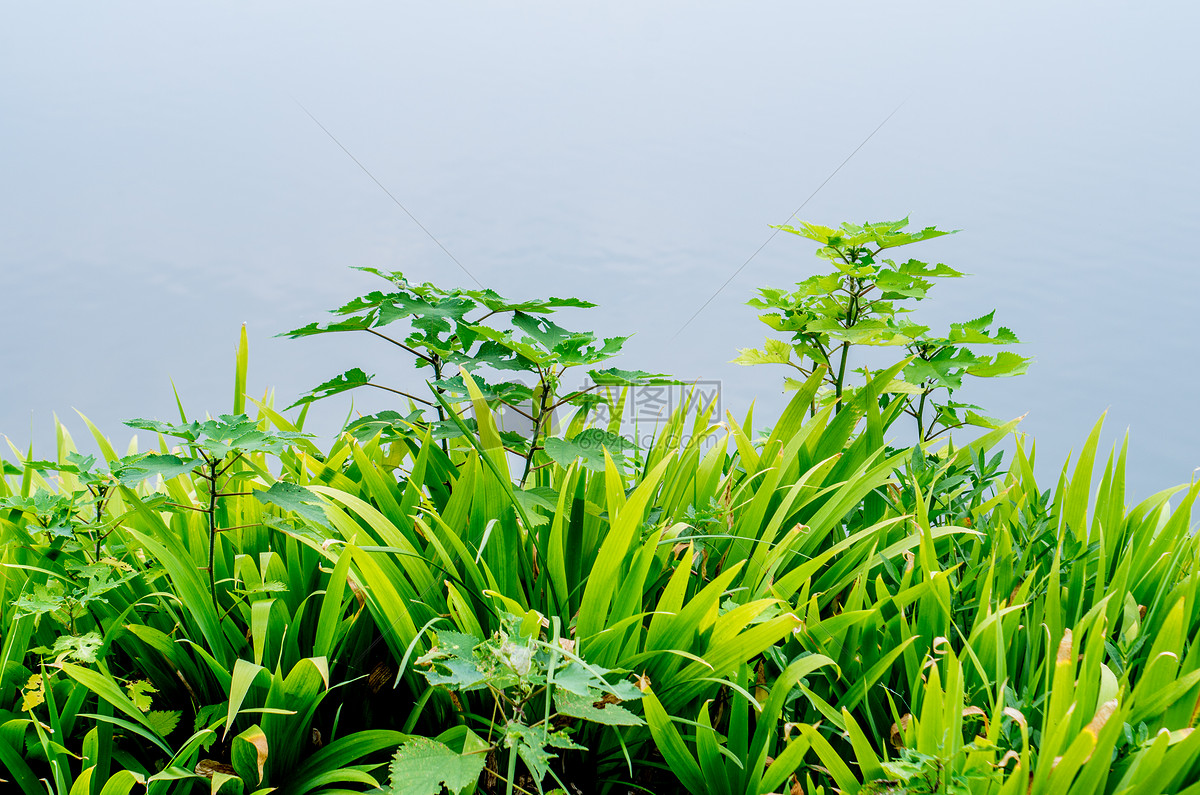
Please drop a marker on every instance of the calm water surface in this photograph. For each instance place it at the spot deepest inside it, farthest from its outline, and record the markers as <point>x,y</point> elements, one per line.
<point>162,185</point>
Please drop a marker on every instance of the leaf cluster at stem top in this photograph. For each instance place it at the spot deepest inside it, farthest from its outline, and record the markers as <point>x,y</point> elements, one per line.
<point>863,301</point>
<point>450,331</point>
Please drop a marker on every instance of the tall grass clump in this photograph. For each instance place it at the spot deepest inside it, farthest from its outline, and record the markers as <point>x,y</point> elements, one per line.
<point>488,589</point>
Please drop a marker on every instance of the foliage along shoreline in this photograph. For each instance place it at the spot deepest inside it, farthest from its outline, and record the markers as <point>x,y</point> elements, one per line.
<point>438,603</point>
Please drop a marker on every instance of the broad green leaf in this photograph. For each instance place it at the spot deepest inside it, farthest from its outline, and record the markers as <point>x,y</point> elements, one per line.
<point>614,376</point>
<point>163,722</point>
<point>1004,363</point>
<point>249,753</point>
<point>532,744</point>
<point>245,673</point>
<point>670,744</point>
<point>594,708</point>
<point>297,499</point>
<point>351,379</point>
<point>588,447</point>
<point>140,694</point>
<point>773,352</point>
<point>423,766</point>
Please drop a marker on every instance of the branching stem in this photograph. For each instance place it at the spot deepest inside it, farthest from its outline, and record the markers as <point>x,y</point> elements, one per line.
<point>213,495</point>
<point>401,393</point>
<point>399,344</point>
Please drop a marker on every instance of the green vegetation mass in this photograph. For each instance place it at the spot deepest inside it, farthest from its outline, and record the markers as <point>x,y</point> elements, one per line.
<point>488,589</point>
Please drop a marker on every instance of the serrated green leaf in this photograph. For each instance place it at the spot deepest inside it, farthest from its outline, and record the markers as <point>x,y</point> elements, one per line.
<point>594,708</point>
<point>149,466</point>
<point>351,379</point>
<point>296,499</point>
<point>163,721</point>
<point>511,392</point>
<point>529,501</point>
<point>34,693</point>
<point>773,352</point>
<point>1004,363</point>
<point>588,446</point>
<point>898,283</point>
<point>422,766</point>
<point>139,693</point>
<point>614,376</point>
<point>452,661</point>
<point>43,599</point>
<point>76,648</point>
<point>532,743</point>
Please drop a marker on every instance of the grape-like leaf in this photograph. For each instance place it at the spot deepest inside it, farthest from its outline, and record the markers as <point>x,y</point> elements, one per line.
<point>74,648</point>
<point>1004,363</point>
<point>532,743</point>
<point>228,433</point>
<point>168,466</point>
<point>495,303</point>
<point>896,284</point>
<point>349,324</point>
<point>774,352</point>
<point>351,379</point>
<point>542,330</point>
<point>163,722</point>
<point>34,693</point>
<point>501,352</point>
<point>588,446</point>
<point>391,424</point>
<point>596,709</point>
<point>614,376</point>
<point>452,661</point>
<point>42,600</point>
<point>189,431</point>
<point>530,499</point>
<point>928,271</point>
<point>511,392</point>
<point>295,498</point>
<point>139,693</point>
<point>423,766</point>
<point>981,420</point>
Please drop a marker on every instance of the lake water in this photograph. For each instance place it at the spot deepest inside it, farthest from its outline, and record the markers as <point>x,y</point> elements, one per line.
<point>162,184</point>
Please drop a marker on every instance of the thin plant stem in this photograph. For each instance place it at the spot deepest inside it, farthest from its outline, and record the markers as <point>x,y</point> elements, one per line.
<point>187,507</point>
<point>512,769</point>
<point>213,494</point>
<point>401,393</point>
<point>99,519</point>
<point>436,361</point>
<point>237,457</point>
<point>399,344</point>
<point>539,417</point>
<point>841,373</point>
<point>920,415</point>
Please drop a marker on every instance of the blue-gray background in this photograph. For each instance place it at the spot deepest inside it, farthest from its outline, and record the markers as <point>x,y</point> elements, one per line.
<point>161,185</point>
